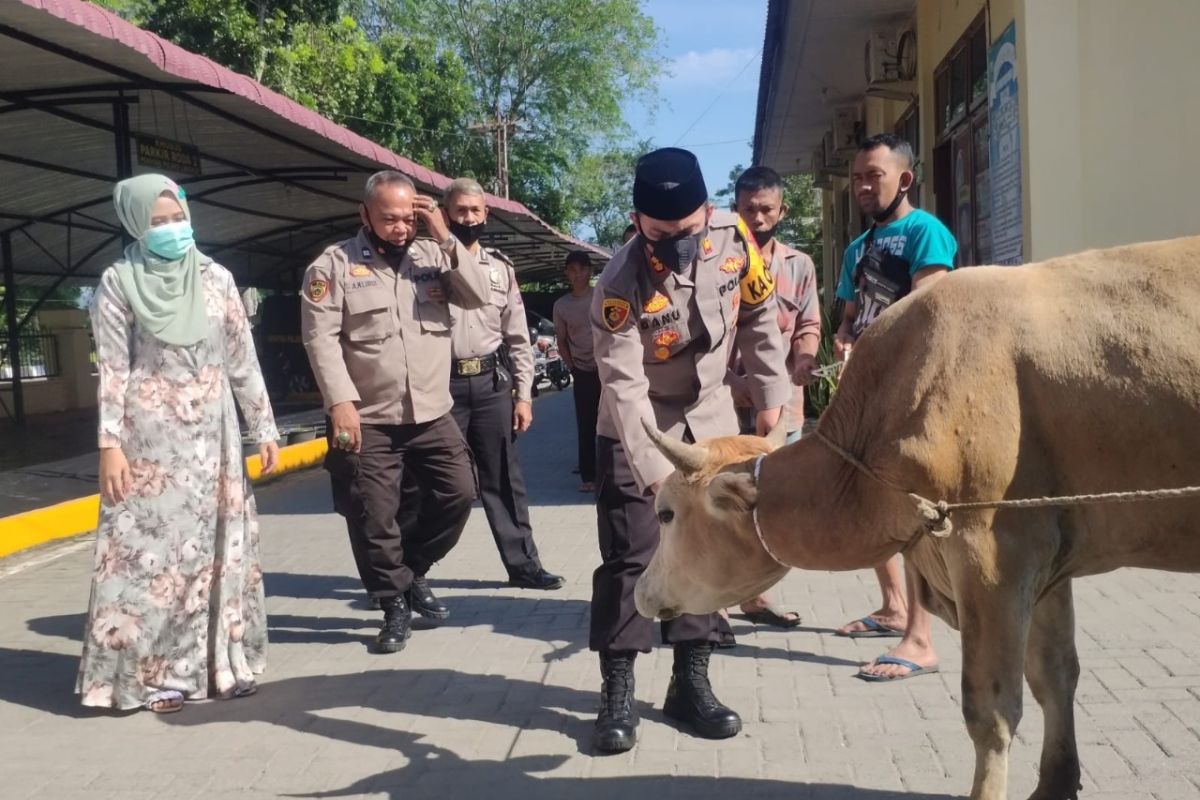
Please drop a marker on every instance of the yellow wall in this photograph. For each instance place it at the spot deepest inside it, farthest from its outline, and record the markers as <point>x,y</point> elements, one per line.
<point>1113,115</point>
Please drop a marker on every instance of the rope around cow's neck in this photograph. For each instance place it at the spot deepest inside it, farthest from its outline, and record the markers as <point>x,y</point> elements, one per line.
<point>937,514</point>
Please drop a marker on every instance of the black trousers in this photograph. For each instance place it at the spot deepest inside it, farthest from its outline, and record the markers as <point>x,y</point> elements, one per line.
<point>366,491</point>
<point>483,409</point>
<point>628,527</point>
<point>587,405</point>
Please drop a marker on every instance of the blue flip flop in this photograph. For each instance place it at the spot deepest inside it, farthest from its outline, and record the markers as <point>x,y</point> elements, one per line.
<point>913,670</point>
<point>875,630</point>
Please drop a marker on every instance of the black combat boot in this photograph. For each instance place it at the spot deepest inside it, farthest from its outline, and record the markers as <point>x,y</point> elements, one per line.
<point>616,725</point>
<point>424,602</point>
<point>690,697</point>
<point>397,625</point>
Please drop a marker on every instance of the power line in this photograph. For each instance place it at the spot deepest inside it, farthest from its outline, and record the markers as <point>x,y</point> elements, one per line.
<point>720,94</point>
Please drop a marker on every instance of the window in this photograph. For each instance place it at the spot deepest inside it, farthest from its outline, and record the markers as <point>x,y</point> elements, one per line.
<point>961,162</point>
<point>908,127</point>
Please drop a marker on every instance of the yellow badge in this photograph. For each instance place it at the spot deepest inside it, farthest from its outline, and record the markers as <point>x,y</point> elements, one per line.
<point>662,353</point>
<point>757,284</point>
<point>733,264</point>
<point>317,289</point>
<point>656,303</point>
<point>706,246</point>
<point>657,265</point>
<point>360,271</point>
<point>667,338</point>
<point>616,312</point>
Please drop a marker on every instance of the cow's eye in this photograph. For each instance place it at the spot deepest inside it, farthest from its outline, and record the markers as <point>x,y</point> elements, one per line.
<point>665,516</point>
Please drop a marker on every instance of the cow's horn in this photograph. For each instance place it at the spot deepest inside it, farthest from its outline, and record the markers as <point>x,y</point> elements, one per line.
<point>686,457</point>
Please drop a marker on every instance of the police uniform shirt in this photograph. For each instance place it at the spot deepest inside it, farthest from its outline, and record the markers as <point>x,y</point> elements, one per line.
<point>379,336</point>
<point>662,342</point>
<point>480,331</point>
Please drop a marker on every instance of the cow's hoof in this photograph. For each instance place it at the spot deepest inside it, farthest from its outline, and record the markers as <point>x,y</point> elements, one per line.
<point>1057,790</point>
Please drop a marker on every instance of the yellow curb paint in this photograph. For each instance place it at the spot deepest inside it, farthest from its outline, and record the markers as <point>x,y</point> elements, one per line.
<point>73,517</point>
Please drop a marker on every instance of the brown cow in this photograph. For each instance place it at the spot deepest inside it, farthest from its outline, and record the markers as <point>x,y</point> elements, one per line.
<point>1077,375</point>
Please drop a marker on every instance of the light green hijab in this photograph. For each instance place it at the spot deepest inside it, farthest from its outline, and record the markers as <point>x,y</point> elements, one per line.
<point>166,297</point>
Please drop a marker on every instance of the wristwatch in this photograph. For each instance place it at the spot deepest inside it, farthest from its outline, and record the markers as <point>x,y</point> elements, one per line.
<point>448,245</point>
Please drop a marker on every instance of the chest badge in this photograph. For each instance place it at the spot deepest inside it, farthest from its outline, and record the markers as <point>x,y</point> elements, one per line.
<point>662,353</point>
<point>733,264</point>
<point>656,303</point>
<point>494,275</point>
<point>706,247</point>
<point>360,271</point>
<point>615,312</point>
<point>667,338</point>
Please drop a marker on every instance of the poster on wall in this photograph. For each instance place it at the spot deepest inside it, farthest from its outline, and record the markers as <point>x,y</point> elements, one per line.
<point>1004,124</point>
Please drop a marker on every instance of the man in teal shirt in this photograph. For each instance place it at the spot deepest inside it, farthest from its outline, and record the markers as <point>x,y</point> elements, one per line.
<point>904,250</point>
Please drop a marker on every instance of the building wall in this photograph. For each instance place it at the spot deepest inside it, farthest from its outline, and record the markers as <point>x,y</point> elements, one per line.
<point>1114,109</point>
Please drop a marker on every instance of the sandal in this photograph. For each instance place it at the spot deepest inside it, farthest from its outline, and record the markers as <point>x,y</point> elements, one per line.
<point>769,616</point>
<point>167,701</point>
<point>240,689</point>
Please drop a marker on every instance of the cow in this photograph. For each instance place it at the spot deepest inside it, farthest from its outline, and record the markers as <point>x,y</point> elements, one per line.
<point>1076,375</point>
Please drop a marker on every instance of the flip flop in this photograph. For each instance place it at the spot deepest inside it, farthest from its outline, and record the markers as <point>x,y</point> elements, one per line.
<point>875,630</point>
<point>171,699</point>
<point>914,670</point>
<point>769,616</point>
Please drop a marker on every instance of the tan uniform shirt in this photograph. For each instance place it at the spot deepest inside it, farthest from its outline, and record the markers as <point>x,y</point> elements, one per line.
<point>662,343</point>
<point>573,327</point>
<point>380,337</point>
<point>480,331</point>
<point>799,321</point>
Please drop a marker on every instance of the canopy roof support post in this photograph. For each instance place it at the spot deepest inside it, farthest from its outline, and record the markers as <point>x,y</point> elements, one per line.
<point>124,160</point>
<point>10,319</point>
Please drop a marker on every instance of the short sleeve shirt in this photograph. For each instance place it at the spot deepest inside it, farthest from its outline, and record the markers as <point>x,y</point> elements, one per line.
<point>912,243</point>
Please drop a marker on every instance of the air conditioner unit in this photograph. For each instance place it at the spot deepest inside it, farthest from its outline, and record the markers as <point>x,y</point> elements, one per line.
<point>880,61</point>
<point>847,130</point>
<point>835,160</point>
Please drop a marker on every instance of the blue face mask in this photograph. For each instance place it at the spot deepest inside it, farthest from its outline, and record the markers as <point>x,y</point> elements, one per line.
<point>171,241</point>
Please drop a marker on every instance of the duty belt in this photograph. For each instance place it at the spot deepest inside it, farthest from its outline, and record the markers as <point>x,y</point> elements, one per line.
<point>466,367</point>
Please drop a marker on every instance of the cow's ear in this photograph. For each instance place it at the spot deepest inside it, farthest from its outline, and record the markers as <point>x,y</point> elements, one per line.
<point>731,493</point>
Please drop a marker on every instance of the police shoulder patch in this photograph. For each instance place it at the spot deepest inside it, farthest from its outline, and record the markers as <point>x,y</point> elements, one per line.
<point>317,289</point>
<point>616,312</point>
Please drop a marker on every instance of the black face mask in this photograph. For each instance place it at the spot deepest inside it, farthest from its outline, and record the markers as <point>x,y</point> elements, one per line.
<point>467,234</point>
<point>390,252</point>
<point>762,237</point>
<point>676,253</point>
<point>891,209</point>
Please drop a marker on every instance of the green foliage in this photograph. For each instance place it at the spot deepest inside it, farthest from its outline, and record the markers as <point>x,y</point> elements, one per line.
<point>600,186</point>
<point>417,75</point>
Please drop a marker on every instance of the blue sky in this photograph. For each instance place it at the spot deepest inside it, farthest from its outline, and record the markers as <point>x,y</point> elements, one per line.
<point>708,47</point>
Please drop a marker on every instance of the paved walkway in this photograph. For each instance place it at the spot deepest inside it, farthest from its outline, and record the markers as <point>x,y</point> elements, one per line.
<point>498,702</point>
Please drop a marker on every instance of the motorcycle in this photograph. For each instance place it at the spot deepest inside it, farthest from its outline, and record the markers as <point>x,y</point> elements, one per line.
<point>548,366</point>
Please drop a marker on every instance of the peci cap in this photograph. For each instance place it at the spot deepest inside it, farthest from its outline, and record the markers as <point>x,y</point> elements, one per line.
<point>668,184</point>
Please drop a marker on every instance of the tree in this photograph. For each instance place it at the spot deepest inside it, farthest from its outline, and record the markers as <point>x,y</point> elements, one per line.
<point>600,188</point>
<point>555,71</point>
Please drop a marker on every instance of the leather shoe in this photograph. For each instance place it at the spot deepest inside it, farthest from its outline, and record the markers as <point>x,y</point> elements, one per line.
<point>424,602</point>
<point>535,579</point>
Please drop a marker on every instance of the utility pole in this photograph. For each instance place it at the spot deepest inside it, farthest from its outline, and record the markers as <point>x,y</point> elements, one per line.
<point>500,129</point>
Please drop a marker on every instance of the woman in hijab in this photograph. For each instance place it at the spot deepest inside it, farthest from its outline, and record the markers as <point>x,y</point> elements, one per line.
<point>177,609</point>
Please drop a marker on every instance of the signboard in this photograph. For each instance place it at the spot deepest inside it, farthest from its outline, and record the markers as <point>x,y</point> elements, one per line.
<point>1004,124</point>
<point>166,154</point>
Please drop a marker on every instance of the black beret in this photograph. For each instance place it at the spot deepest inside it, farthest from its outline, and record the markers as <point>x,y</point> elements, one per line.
<point>668,184</point>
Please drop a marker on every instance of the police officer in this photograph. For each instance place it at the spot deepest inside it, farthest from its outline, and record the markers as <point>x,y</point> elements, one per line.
<point>375,320</point>
<point>667,309</point>
<point>490,357</point>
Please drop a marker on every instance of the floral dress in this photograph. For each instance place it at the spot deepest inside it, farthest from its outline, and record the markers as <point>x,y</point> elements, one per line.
<point>177,597</point>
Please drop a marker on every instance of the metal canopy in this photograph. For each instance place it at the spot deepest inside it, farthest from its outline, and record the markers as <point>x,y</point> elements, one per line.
<point>276,181</point>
